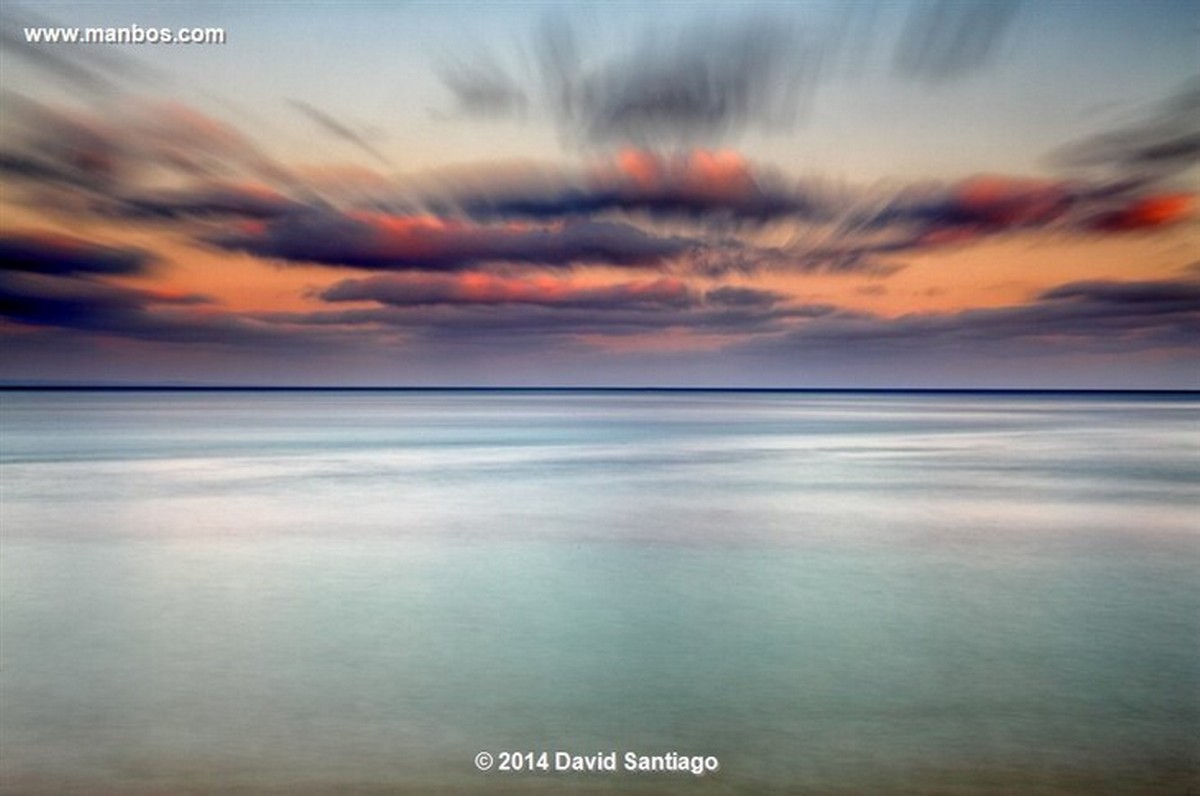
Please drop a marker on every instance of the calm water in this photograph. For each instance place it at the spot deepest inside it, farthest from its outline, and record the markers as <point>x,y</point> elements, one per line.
<point>357,592</point>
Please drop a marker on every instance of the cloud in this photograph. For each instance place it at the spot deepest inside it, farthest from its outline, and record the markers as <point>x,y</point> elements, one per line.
<point>849,230</point>
<point>716,78</point>
<point>1161,296</point>
<point>58,282</point>
<point>185,139</point>
<point>922,218</point>
<point>708,212</point>
<point>697,184</point>
<point>480,305</point>
<point>216,200</point>
<point>737,296</point>
<point>36,298</point>
<point>475,322</point>
<point>706,82</point>
<point>981,205</point>
<point>413,290</point>
<point>839,256</point>
<point>1163,144</point>
<point>68,147</point>
<point>1145,214</point>
<point>338,130</point>
<point>483,89</point>
<point>993,202</point>
<point>1080,317</point>
<point>61,255</point>
<point>846,230</point>
<point>113,153</point>
<point>84,304</point>
<point>61,63</point>
<point>945,39</point>
<point>378,241</point>
<point>87,71</point>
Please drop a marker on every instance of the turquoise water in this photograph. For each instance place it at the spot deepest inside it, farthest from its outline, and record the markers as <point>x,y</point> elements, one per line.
<point>830,593</point>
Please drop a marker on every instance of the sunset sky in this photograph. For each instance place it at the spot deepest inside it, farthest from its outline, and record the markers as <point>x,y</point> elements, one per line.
<point>810,194</point>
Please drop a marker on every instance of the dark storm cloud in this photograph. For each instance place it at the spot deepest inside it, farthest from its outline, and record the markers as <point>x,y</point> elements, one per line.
<point>338,129</point>
<point>95,306</point>
<point>58,282</point>
<point>51,280</point>
<point>36,298</point>
<point>60,255</point>
<point>420,243</point>
<point>102,309</point>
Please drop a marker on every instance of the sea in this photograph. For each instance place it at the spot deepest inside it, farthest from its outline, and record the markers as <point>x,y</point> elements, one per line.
<point>361,592</point>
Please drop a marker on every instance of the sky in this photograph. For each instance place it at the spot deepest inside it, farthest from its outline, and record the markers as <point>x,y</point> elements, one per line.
<point>874,194</point>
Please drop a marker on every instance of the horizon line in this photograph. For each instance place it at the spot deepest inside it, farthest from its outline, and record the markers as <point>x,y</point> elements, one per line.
<point>85,387</point>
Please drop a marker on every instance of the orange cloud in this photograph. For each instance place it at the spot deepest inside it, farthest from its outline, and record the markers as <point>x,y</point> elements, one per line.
<point>1150,212</point>
<point>711,174</point>
<point>999,201</point>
